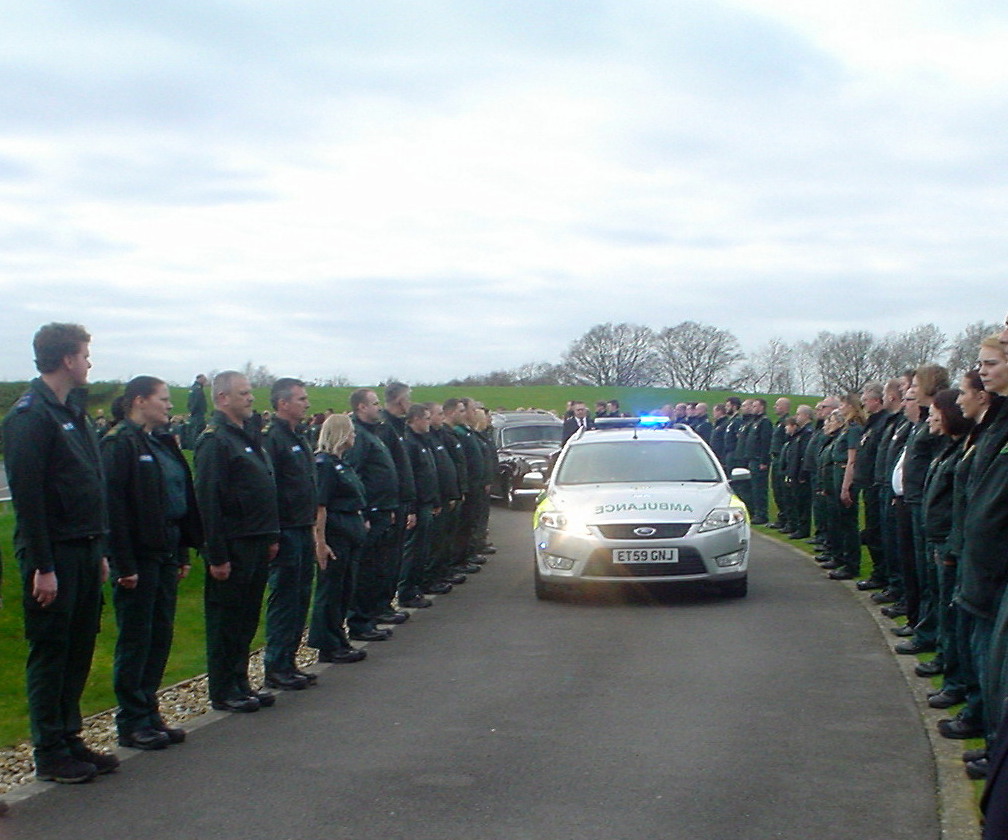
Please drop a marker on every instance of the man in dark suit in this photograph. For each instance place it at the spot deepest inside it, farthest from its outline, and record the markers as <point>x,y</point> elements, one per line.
<point>580,419</point>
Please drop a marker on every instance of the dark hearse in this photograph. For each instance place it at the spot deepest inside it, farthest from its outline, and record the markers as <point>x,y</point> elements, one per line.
<point>526,442</point>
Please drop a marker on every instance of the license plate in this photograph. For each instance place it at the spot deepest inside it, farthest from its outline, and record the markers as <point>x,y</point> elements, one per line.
<point>645,555</point>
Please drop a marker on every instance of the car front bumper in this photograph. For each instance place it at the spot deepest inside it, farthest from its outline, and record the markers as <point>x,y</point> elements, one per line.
<point>569,557</point>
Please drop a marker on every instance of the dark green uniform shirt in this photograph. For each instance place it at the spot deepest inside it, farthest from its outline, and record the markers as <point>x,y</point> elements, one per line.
<point>342,494</point>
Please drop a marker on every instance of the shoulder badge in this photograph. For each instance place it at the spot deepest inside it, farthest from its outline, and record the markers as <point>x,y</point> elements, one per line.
<point>24,403</point>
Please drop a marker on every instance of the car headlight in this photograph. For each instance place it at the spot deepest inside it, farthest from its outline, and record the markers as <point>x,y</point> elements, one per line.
<point>722,518</point>
<point>554,519</point>
<point>562,522</point>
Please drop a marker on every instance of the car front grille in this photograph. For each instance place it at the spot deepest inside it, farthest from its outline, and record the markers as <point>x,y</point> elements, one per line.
<point>663,530</point>
<point>600,565</point>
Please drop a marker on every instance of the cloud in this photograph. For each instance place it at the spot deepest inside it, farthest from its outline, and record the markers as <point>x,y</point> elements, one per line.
<point>431,190</point>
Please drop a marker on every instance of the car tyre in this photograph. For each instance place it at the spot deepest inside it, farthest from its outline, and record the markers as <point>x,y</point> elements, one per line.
<point>734,588</point>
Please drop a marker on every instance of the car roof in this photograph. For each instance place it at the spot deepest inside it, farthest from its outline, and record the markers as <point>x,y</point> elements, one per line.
<point>526,418</point>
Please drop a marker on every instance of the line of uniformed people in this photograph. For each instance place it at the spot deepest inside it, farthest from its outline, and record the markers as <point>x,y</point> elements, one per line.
<point>392,505</point>
<point>930,465</point>
<point>743,436</point>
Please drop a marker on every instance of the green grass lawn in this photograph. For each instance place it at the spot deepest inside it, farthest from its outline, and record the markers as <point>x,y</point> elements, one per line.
<point>551,397</point>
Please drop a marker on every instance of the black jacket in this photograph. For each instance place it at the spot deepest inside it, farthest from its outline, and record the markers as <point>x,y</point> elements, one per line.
<point>54,472</point>
<point>138,502</point>
<point>196,403</point>
<point>938,492</point>
<point>392,430</point>
<point>921,447</point>
<point>572,424</point>
<point>983,567</point>
<point>453,446</point>
<point>235,487</point>
<point>373,462</point>
<point>871,436</point>
<point>295,474</point>
<point>424,467</point>
<point>759,439</point>
<point>475,460</point>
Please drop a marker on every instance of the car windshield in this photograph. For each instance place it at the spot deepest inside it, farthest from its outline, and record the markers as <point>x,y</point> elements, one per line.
<point>636,461</point>
<point>531,434</point>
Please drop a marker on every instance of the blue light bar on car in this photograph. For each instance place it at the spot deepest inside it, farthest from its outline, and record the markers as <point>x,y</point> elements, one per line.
<point>650,421</point>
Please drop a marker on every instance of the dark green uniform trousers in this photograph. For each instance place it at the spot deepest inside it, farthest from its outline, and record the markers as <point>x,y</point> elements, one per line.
<point>820,514</point>
<point>783,498</point>
<point>370,597</point>
<point>61,640</point>
<point>871,536</point>
<point>443,532</point>
<point>926,628</point>
<point>391,573</point>
<point>801,493</point>
<point>416,554</point>
<point>232,609</point>
<point>291,574</point>
<point>465,530</point>
<point>481,534</point>
<point>333,591</point>
<point>849,549</point>
<point>146,619</point>
<point>891,573</point>
<point>758,492</point>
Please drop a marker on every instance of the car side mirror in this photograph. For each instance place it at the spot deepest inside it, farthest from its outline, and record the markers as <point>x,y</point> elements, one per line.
<point>741,474</point>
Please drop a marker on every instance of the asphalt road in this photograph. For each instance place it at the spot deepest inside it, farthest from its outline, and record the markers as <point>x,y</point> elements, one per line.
<point>492,715</point>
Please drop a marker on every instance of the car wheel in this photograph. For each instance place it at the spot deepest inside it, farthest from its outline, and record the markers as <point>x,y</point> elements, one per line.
<point>511,499</point>
<point>543,591</point>
<point>734,588</point>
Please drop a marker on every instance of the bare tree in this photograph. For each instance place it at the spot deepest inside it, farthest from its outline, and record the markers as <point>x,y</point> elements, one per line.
<point>769,369</point>
<point>746,379</point>
<point>846,361</point>
<point>258,377</point>
<point>536,373</point>
<point>337,380</point>
<point>696,356</point>
<point>963,348</point>
<point>611,355</point>
<point>803,364</point>
<point>922,345</point>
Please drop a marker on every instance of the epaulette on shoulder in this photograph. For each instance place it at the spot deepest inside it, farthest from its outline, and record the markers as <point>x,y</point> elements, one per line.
<point>114,431</point>
<point>209,429</point>
<point>24,403</point>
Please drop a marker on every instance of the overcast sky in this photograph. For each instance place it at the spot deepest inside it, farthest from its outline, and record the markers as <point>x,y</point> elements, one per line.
<point>432,189</point>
